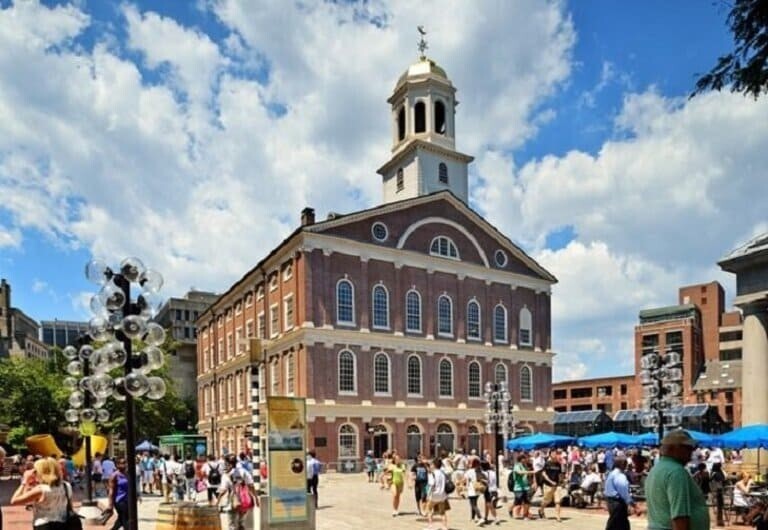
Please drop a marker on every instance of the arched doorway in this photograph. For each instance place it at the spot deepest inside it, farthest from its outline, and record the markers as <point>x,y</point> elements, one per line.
<point>446,438</point>
<point>413,441</point>
<point>473,439</point>
<point>380,440</point>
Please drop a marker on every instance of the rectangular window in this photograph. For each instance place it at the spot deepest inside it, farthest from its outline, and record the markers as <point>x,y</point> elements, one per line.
<point>219,352</point>
<point>623,389</point>
<point>262,329</point>
<point>178,314</point>
<point>240,341</point>
<point>195,314</point>
<point>260,292</point>
<point>274,320</point>
<point>274,378</point>
<point>525,337</point>
<point>230,394</point>
<point>239,389</point>
<point>230,346</point>
<point>650,343</point>
<point>288,272</point>
<point>186,315</point>
<point>187,332</point>
<point>222,398</point>
<point>289,374</point>
<point>288,311</point>
<point>559,394</point>
<point>206,359</point>
<point>674,341</point>
<point>249,329</point>
<point>584,392</point>
<point>238,308</point>
<point>273,283</point>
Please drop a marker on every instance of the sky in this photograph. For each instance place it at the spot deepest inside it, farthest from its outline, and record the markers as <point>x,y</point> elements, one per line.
<point>191,134</point>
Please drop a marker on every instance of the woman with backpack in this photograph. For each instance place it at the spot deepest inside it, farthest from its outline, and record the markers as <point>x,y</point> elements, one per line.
<point>238,489</point>
<point>420,478</point>
<point>476,485</point>
<point>212,471</point>
<point>438,495</point>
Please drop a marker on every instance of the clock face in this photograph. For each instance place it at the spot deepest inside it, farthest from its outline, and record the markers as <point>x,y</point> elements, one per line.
<point>379,231</point>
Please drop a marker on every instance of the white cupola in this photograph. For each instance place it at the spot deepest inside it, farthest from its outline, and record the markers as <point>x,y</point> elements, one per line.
<point>424,157</point>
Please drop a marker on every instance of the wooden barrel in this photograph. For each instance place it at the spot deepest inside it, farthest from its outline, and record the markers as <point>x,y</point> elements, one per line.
<point>186,516</point>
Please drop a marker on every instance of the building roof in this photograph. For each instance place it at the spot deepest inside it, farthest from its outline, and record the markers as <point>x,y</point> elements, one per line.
<point>578,416</point>
<point>672,312</point>
<point>695,410</point>
<point>593,380</point>
<point>756,249</point>
<point>718,375</point>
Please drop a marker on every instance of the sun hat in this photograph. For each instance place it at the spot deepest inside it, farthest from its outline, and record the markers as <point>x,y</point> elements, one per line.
<point>679,437</point>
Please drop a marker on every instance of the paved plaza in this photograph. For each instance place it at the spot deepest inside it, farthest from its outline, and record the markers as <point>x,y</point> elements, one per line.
<point>349,501</point>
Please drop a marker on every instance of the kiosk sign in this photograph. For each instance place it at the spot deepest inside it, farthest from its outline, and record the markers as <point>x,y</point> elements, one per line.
<point>286,432</point>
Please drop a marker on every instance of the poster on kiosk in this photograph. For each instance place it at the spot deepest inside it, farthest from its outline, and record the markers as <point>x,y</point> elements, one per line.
<point>286,428</point>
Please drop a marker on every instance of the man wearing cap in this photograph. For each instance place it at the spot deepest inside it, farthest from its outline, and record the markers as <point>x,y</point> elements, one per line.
<point>617,497</point>
<point>674,500</point>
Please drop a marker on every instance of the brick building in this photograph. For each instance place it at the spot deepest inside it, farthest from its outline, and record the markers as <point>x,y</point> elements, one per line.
<point>390,320</point>
<point>18,331</point>
<point>699,328</point>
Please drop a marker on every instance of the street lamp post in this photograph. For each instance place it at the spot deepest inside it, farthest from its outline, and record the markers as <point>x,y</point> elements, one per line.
<point>661,377</point>
<point>117,321</point>
<point>498,416</point>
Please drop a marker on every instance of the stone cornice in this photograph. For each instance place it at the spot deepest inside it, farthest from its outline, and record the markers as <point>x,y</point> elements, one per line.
<point>405,412</point>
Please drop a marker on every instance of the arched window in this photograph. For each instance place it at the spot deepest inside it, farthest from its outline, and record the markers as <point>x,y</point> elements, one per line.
<point>381,373</point>
<point>439,117</point>
<point>420,117</point>
<point>401,123</point>
<point>475,383</point>
<point>345,302</point>
<point>400,180</point>
<point>347,441</point>
<point>526,384</point>
<point>473,320</point>
<point>500,323</point>
<point>380,307</point>
<point>445,369</point>
<point>500,373</point>
<point>442,173</point>
<point>445,438</point>
<point>444,315</point>
<point>525,327</point>
<point>444,247</point>
<point>413,311</point>
<point>414,375</point>
<point>347,372</point>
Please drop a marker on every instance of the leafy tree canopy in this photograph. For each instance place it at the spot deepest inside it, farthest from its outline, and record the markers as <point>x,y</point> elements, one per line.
<point>745,69</point>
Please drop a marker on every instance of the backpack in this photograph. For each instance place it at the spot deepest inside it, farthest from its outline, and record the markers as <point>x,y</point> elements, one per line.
<point>214,475</point>
<point>189,470</point>
<point>450,487</point>
<point>242,500</point>
<point>480,483</point>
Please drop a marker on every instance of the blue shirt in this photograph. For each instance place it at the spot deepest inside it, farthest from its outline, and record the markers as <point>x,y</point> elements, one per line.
<point>107,468</point>
<point>609,459</point>
<point>617,485</point>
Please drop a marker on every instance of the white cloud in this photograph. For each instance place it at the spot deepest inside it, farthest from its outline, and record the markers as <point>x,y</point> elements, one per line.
<point>38,286</point>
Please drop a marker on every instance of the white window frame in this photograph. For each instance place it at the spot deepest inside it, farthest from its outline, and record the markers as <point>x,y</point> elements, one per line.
<point>239,389</point>
<point>450,306</point>
<point>239,342</point>
<point>353,451</point>
<point>352,286</point>
<point>418,297</point>
<point>526,323</point>
<point>249,300</point>
<point>288,324</point>
<point>527,368</point>
<point>206,359</point>
<point>496,371</point>
<point>250,329</point>
<point>261,331</point>
<point>290,374</point>
<point>260,293</point>
<point>479,335</point>
<point>408,375</point>
<point>440,394</point>
<point>274,282</point>
<point>388,392</point>
<point>505,322</point>
<point>479,380</point>
<point>288,271</point>
<point>274,378</point>
<point>230,394</point>
<point>230,346</point>
<point>238,308</point>
<point>274,331</point>
<point>341,392</point>
<point>373,306</point>
<point>449,245</point>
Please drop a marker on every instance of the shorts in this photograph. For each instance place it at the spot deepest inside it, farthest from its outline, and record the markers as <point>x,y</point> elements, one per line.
<point>397,488</point>
<point>601,467</point>
<point>521,497</point>
<point>97,477</point>
<point>552,494</point>
<point>439,507</point>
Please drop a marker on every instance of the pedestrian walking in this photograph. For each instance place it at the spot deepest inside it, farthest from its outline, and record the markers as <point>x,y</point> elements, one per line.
<point>438,504</point>
<point>674,500</point>
<point>238,491</point>
<point>313,475</point>
<point>212,472</point>
<point>396,472</point>
<point>617,497</point>
<point>476,485</point>
<point>420,481</point>
<point>48,495</point>
<point>519,484</point>
<point>370,465</point>
<point>491,493</point>
<point>117,497</point>
<point>553,493</point>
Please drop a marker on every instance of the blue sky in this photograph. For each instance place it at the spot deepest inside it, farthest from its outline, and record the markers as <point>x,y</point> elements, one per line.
<point>161,129</point>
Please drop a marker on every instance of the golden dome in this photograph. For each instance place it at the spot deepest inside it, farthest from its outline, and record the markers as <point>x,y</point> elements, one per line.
<point>422,68</point>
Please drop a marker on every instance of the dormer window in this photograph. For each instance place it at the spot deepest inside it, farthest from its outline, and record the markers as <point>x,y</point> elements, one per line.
<point>444,247</point>
<point>442,173</point>
<point>440,117</point>
<point>400,180</point>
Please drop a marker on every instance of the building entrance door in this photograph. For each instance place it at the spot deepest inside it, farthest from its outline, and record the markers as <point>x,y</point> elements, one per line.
<point>380,441</point>
<point>413,436</point>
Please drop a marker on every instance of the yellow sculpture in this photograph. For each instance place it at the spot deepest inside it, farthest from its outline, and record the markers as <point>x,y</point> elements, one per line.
<point>45,445</point>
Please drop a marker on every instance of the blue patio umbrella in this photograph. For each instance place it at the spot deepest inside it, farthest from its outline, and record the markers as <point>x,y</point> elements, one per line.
<point>747,437</point>
<point>651,438</point>
<point>539,441</point>
<point>146,446</point>
<point>608,439</point>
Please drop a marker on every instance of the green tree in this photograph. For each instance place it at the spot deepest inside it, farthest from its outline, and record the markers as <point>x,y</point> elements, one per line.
<point>745,69</point>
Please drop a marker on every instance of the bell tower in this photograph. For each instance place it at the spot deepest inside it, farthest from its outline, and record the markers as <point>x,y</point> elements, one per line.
<point>424,158</point>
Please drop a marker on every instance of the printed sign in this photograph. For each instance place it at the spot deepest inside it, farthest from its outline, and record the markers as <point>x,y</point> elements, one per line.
<point>286,432</point>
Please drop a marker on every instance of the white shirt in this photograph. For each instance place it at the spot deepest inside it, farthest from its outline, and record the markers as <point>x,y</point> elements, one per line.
<point>538,463</point>
<point>589,480</point>
<point>437,486</point>
<point>53,507</point>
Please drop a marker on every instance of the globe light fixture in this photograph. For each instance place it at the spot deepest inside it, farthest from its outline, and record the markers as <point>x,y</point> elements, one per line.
<point>661,377</point>
<point>499,420</point>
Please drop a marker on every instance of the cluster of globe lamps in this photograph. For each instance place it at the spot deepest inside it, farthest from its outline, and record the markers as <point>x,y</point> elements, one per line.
<point>116,321</point>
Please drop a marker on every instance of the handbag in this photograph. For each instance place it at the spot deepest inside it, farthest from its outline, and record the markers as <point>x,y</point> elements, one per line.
<point>74,521</point>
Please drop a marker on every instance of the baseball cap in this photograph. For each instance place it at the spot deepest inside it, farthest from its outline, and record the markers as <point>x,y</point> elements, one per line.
<point>679,437</point>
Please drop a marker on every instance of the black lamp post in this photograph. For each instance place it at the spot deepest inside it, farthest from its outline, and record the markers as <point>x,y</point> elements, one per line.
<point>661,377</point>
<point>498,416</point>
<point>117,322</point>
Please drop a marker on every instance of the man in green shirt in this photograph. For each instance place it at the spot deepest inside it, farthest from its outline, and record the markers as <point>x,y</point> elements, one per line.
<point>674,500</point>
<point>518,484</point>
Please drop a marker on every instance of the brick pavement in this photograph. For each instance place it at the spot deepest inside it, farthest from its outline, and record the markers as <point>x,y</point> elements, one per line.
<point>348,501</point>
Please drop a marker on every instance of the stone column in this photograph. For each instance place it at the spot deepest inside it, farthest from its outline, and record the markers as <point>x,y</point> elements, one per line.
<point>754,362</point>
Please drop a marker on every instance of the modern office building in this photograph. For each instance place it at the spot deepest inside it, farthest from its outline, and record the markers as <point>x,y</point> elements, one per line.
<point>699,328</point>
<point>61,333</point>
<point>178,316</point>
<point>18,331</point>
<point>390,320</point>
